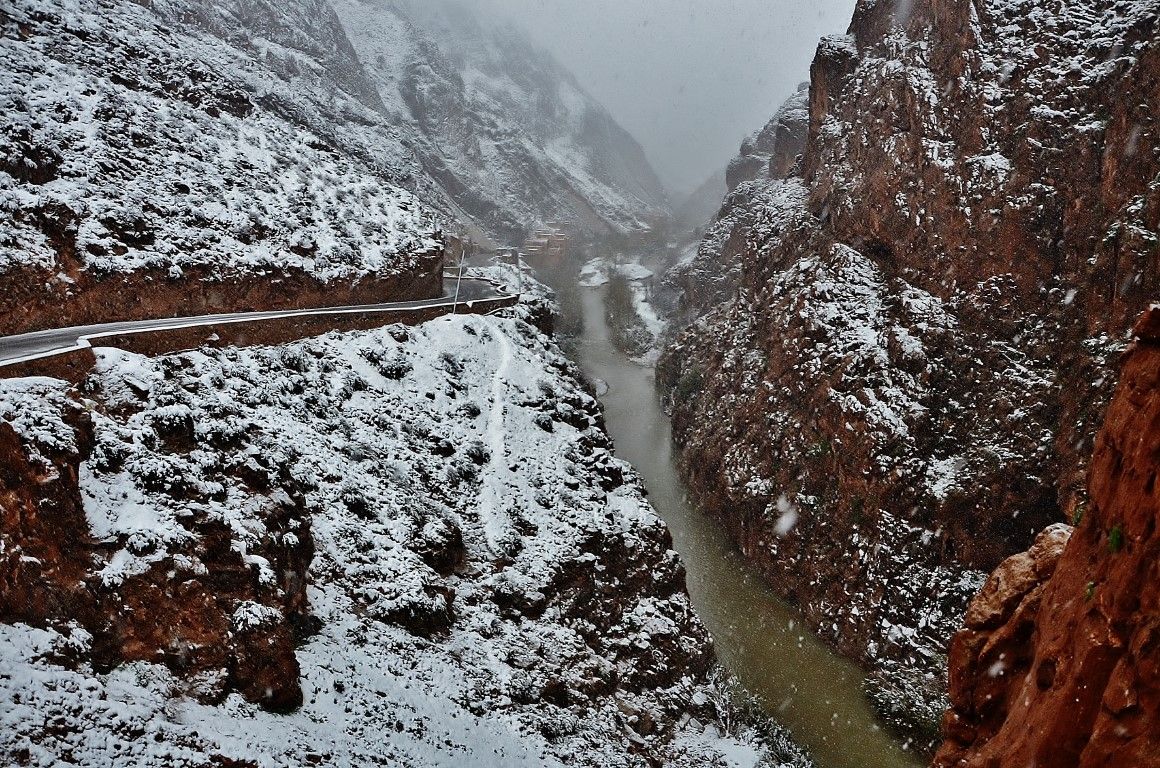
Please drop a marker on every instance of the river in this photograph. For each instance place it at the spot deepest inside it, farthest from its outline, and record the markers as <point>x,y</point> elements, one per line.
<point>803,684</point>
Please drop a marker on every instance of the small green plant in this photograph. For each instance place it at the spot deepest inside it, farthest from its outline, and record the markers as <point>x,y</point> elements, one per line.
<point>858,510</point>
<point>1089,591</point>
<point>820,449</point>
<point>1077,515</point>
<point>1116,539</point>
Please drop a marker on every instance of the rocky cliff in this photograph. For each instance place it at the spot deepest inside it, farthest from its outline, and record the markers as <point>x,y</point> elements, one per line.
<point>772,152</point>
<point>921,343</point>
<point>710,272</point>
<point>408,547</point>
<point>1059,661</point>
<point>114,594</point>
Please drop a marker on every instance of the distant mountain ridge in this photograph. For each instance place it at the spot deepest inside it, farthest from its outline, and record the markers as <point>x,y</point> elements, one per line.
<point>504,129</point>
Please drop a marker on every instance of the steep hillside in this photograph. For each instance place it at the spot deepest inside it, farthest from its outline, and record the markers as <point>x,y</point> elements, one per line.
<point>405,547</point>
<point>701,206</point>
<point>920,347</point>
<point>709,274</point>
<point>237,155</point>
<point>1059,662</point>
<point>499,123</point>
<point>197,156</point>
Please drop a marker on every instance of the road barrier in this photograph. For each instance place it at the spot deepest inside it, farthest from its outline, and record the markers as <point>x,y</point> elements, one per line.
<point>76,362</point>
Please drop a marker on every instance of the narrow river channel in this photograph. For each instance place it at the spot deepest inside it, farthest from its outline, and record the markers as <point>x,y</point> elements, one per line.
<point>802,683</point>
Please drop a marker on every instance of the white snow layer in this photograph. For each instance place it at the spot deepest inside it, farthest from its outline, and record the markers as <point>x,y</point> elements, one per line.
<point>362,416</point>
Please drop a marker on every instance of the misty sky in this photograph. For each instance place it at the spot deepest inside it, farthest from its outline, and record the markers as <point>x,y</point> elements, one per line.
<point>688,78</point>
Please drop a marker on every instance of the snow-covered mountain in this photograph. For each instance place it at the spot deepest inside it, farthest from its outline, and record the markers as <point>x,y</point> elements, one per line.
<point>183,143</point>
<point>411,546</point>
<point>191,132</point>
<point>505,130</point>
<point>192,154</point>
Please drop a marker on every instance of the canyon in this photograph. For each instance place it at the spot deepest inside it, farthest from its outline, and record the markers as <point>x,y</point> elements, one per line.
<point>912,364</point>
<point>398,546</point>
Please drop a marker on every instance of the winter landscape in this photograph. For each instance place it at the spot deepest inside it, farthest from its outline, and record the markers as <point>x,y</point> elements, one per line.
<point>763,384</point>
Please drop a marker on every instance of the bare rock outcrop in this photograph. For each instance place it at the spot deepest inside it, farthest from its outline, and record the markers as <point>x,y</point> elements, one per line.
<point>711,273</point>
<point>1059,660</point>
<point>772,152</point>
<point>204,610</point>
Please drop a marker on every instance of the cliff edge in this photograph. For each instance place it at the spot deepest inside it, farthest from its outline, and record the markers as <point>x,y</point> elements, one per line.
<point>1059,661</point>
<point>923,338</point>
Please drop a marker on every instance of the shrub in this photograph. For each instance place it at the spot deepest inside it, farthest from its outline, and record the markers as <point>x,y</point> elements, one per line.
<point>1116,539</point>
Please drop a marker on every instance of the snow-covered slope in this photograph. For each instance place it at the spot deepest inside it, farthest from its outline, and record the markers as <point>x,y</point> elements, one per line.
<point>251,135</point>
<point>185,133</point>
<point>504,128</point>
<point>184,144</point>
<point>434,512</point>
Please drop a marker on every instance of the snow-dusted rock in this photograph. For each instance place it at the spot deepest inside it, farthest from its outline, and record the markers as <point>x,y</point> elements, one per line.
<point>925,324</point>
<point>383,511</point>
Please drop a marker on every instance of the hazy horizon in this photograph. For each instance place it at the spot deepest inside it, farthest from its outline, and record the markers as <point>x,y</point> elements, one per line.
<point>688,79</point>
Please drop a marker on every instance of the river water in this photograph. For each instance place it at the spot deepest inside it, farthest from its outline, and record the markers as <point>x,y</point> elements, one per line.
<point>804,685</point>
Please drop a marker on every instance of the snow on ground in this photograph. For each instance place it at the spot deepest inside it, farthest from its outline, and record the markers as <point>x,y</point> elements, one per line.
<point>653,321</point>
<point>160,136</point>
<point>640,280</point>
<point>594,274</point>
<point>634,271</point>
<point>639,328</point>
<point>405,442</point>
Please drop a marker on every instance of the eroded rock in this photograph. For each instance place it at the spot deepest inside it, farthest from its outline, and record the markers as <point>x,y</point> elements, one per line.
<point>1071,676</point>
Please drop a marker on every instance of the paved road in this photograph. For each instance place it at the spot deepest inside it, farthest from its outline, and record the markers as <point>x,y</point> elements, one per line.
<point>29,346</point>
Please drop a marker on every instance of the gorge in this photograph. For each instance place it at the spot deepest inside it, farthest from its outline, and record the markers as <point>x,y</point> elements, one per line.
<point>869,481</point>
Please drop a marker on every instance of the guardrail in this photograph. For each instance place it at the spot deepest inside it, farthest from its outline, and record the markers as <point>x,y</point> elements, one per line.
<point>457,273</point>
<point>73,360</point>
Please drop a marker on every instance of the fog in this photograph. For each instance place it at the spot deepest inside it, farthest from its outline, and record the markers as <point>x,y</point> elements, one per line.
<point>688,78</point>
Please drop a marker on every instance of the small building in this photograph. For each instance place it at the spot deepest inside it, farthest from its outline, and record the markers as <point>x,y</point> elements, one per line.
<point>547,246</point>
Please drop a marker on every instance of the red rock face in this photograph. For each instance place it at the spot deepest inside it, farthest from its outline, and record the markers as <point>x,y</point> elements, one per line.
<point>34,300</point>
<point>922,342</point>
<point>1059,661</point>
<point>48,579</point>
<point>42,563</point>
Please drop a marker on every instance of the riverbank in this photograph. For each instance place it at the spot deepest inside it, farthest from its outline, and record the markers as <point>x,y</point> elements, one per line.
<point>759,639</point>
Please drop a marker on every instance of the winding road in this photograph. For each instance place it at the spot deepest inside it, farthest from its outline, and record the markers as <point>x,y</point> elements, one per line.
<point>41,344</point>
